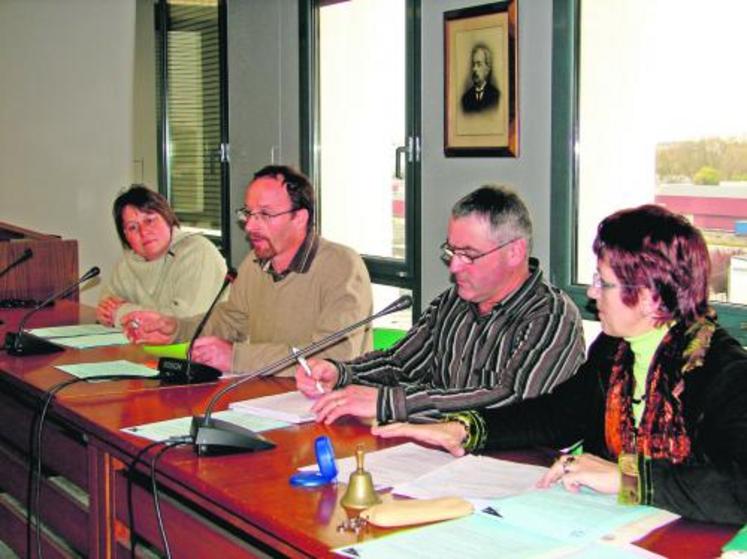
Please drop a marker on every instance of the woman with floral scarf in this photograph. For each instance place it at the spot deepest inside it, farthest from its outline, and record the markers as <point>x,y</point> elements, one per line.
<point>660,404</point>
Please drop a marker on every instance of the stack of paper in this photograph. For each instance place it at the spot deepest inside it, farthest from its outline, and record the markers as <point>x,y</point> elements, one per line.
<point>539,523</point>
<point>292,407</point>
<point>82,336</point>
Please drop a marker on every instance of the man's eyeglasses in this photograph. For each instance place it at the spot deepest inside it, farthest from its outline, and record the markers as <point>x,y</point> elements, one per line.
<point>244,215</point>
<point>448,252</point>
<point>598,283</point>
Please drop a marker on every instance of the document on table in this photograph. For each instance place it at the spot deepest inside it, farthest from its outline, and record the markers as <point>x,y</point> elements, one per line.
<point>394,465</point>
<point>94,340</point>
<point>119,367</point>
<point>180,426</point>
<point>473,477</point>
<point>292,407</point>
<point>540,523</point>
<point>73,331</point>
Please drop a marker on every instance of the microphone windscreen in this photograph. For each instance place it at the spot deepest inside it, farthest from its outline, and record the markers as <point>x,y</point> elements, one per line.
<point>404,302</point>
<point>92,273</point>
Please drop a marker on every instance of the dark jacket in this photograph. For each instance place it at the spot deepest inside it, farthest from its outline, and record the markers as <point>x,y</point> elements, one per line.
<point>490,97</point>
<point>711,485</point>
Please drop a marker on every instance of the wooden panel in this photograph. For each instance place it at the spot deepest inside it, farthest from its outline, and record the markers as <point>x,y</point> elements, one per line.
<point>13,533</point>
<point>62,451</point>
<point>53,265</point>
<point>63,514</point>
<point>189,533</point>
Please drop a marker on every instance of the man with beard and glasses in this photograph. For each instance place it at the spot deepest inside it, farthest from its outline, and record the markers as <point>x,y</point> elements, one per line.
<point>292,289</point>
<point>499,335</point>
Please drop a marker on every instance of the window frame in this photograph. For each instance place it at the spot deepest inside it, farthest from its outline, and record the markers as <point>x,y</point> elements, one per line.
<point>383,271</point>
<point>564,167</point>
<point>161,19</point>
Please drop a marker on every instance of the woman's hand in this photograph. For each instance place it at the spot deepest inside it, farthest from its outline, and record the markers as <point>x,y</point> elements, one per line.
<point>584,469</point>
<point>106,312</point>
<point>448,436</point>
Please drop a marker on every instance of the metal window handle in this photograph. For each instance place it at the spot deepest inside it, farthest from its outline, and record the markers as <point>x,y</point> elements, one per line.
<point>401,150</point>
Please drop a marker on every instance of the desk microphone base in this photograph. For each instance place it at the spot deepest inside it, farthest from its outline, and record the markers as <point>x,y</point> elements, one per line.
<point>21,344</point>
<point>214,437</point>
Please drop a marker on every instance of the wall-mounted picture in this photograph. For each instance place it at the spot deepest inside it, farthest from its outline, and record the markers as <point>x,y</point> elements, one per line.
<point>480,81</point>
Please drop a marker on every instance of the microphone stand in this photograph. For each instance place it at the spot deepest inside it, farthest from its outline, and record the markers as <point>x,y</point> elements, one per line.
<point>22,343</point>
<point>28,253</point>
<point>212,436</point>
<point>184,371</point>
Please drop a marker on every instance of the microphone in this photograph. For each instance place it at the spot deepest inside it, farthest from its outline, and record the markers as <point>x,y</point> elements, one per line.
<point>184,371</point>
<point>22,343</point>
<point>28,253</point>
<point>214,436</point>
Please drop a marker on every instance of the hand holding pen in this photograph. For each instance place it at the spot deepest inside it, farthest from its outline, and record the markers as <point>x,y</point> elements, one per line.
<point>315,377</point>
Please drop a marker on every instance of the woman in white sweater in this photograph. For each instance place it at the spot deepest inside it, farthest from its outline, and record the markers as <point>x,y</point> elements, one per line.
<point>163,268</point>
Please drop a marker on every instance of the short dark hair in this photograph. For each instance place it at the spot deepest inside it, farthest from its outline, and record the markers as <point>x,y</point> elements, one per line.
<point>649,246</point>
<point>299,188</point>
<point>502,207</point>
<point>146,200</point>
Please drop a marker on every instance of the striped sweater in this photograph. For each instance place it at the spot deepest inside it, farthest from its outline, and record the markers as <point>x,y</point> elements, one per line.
<point>454,359</point>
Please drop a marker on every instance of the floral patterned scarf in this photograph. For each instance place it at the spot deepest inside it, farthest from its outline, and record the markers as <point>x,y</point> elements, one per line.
<point>661,432</point>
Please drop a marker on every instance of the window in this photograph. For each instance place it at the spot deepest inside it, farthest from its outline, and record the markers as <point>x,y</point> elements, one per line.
<point>193,136</point>
<point>363,146</point>
<point>648,108</point>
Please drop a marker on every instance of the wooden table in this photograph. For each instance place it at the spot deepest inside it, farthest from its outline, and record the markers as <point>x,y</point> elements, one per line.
<point>229,506</point>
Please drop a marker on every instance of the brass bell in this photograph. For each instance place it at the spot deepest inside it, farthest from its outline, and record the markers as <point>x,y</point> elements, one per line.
<point>360,493</point>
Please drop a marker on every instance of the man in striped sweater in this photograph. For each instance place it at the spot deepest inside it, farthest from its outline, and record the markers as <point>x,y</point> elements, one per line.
<point>500,334</point>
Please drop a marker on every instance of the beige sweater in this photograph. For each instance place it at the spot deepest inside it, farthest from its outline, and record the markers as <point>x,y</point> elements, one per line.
<point>264,318</point>
<point>181,283</point>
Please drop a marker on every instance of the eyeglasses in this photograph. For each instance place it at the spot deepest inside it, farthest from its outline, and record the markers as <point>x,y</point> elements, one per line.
<point>448,252</point>
<point>244,215</point>
<point>148,222</point>
<point>598,283</point>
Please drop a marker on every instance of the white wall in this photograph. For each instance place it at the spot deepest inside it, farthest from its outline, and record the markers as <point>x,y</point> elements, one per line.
<point>444,179</point>
<point>66,119</point>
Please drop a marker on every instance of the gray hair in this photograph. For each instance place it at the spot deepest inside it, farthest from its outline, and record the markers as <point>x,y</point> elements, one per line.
<point>502,207</point>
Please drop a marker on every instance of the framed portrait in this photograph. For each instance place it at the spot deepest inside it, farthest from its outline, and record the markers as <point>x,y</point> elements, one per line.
<point>480,81</point>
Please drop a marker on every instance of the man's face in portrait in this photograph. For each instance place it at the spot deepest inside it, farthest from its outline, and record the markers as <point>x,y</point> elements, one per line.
<point>480,68</point>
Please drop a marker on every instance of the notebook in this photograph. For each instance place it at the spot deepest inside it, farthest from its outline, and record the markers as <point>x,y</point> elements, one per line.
<point>292,407</point>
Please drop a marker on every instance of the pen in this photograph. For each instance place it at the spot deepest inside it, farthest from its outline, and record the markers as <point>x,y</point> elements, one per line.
<point>302,361</point>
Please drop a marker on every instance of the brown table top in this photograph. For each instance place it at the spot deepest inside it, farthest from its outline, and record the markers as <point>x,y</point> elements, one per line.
<point>249,490</point>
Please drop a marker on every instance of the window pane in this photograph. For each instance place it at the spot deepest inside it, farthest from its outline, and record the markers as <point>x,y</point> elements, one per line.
<point>362,123</point>
<point>384,295</point>
<point>193,111</point>
<point>662,119</point>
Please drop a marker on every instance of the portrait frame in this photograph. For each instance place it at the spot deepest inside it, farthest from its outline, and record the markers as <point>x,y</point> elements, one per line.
<point>481,115</point>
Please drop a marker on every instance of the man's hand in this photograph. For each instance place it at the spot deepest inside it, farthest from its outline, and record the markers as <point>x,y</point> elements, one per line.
<point>448,436</point>
<point>213,351</point>
<point>355,400</point>
<point>106,312</point>
<point>149,327</point>
<point>585,469</point>
<point>323,375</point>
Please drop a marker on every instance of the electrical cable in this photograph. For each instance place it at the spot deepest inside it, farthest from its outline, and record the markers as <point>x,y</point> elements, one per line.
<point>154,488</point>
<point>131,469</point>
<point>35,455</point>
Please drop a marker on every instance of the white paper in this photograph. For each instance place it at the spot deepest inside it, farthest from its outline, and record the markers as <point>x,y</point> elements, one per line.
<point>100,368</point>
<point>292,407</point>
<point>394,465</point>
<point>180,426</point>
<point>73,330</point>
<point>473,477</point>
